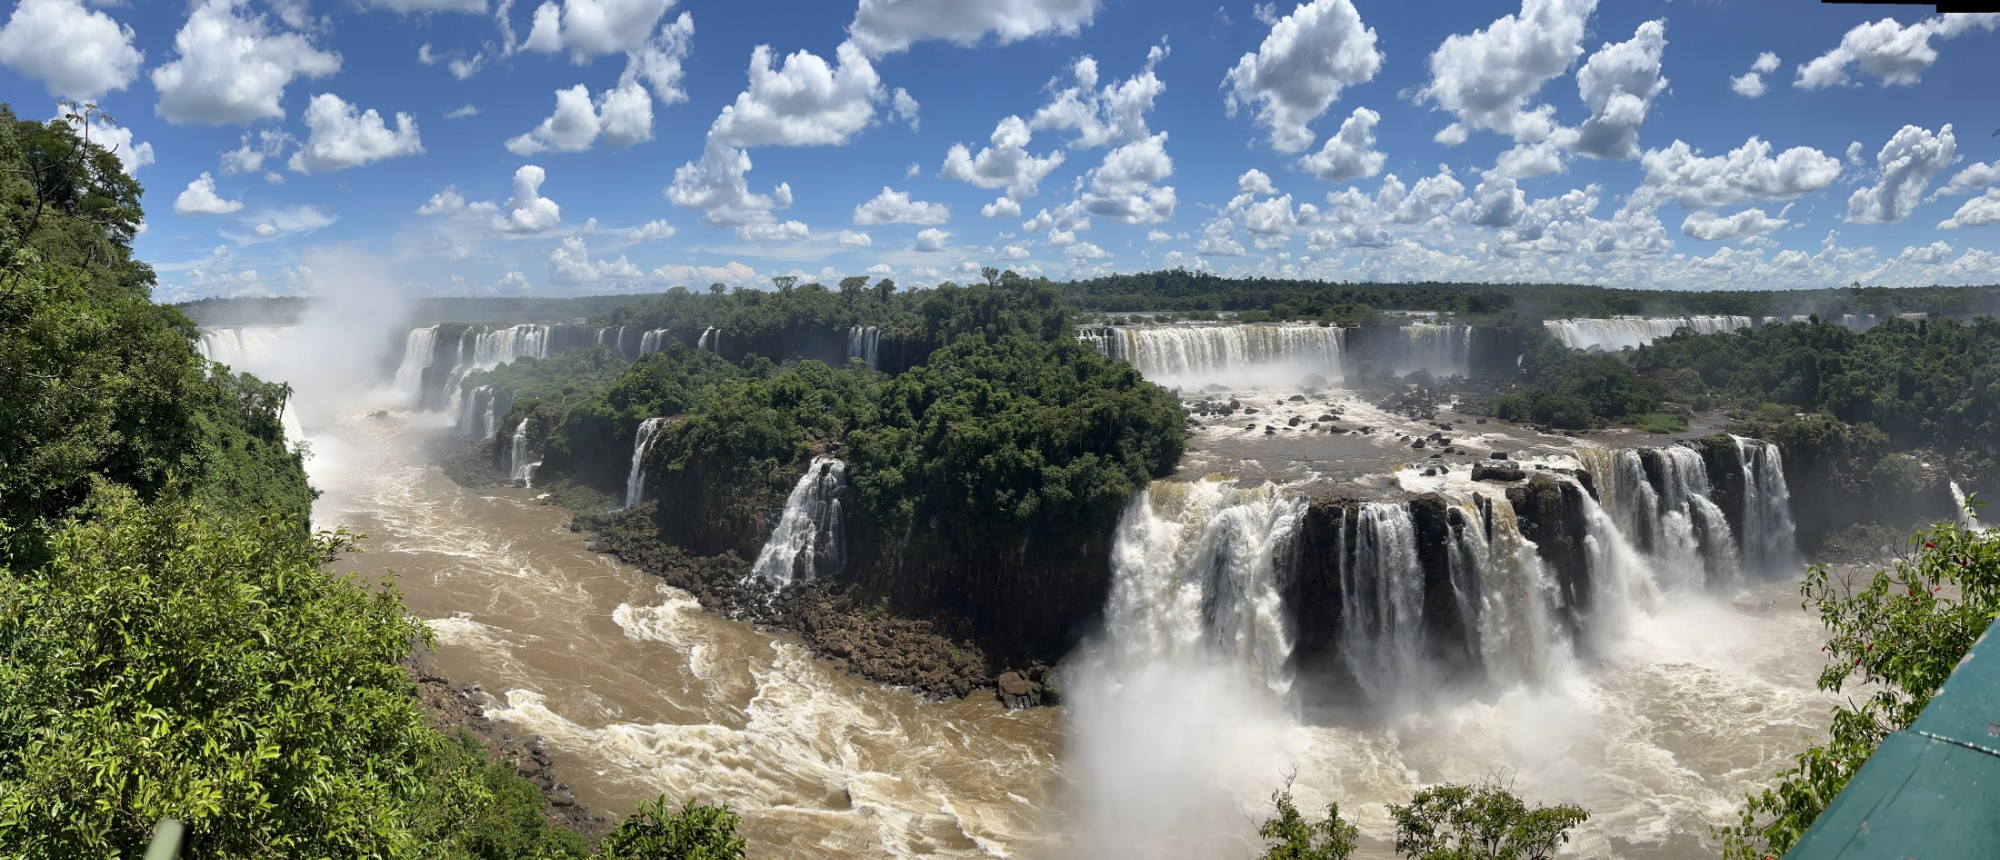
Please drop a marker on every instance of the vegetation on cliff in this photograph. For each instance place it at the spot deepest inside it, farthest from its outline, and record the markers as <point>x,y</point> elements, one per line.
<point>158,576</point>
<point>1896,638</point>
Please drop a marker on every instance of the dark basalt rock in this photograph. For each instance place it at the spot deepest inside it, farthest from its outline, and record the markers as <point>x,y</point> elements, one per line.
<point>1505,472</point>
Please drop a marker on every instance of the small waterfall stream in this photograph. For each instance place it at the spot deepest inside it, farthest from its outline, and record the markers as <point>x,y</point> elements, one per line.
<point>642,441</point>
<point>809,541</point>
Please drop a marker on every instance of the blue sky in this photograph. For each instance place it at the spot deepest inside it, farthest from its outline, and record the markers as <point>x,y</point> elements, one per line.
<point>597,146</point>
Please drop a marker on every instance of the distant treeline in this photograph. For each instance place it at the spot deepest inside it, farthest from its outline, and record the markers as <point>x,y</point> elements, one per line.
<point>857,301</point>
<point>1183,291</point>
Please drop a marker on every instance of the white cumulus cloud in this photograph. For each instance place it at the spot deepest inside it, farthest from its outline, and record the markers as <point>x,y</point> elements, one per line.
<point>1972,178</point>
<point>1618,84</point>
<point>232,68</point>
<point>1312,54</point>
<point>1004,163</point>
<point>621,116</point>
<point>1907,162</point>
<point>200,198</point>
<point>717,185</point>
<point>1977,212</point>
<point>804,102</point>
<point>896,207</point>
<point>75,52</point>
<point>528,211</point>
<point>1349,153</point>
<point>931,239</point>
<point>1887,51</point>
<point>344,137</point>
<point>1486,78</point>
<point>1749,223</point>
<point>1750,84</point>
<point>887,26</point>
<point>1747,174</point>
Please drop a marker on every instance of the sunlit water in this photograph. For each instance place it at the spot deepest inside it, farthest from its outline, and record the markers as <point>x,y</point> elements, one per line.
<point>639,692</point>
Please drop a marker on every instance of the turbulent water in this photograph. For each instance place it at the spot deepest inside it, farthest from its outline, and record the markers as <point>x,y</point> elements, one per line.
<point>640,692</point>
<point>1691,682</point>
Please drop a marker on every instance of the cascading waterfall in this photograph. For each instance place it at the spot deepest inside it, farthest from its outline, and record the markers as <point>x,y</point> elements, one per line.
<point>235,346</point>
<point>1769,544</point>
<point>809,541</point>
<point>1440,350</point>
<point>1197,571</point>
<point>711,340</point>
<point>475,413</point>
<point>419,349</point>
<point>1193,356</point>
<point>1616,333</point>
<point>862,343</point>
<point>1382,600</point>
<point>433,376</point>
<point>652,341</point>
<point>1512,596</point>
<point>1966,519</point>
<point>1662,500</point>
<point>635,482</point>
<point>518,466</point>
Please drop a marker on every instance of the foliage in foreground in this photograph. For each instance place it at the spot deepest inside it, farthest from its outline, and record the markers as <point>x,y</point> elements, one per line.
<point>1901,635</point>
<point>656,832</point>
<point>1444,822</point>
<point>165,662</point>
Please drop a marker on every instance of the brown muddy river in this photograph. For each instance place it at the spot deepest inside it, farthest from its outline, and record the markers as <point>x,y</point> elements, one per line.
<point>639,692</point>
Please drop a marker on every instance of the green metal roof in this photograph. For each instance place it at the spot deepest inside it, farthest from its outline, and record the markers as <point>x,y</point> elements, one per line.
<point>1932,790</point>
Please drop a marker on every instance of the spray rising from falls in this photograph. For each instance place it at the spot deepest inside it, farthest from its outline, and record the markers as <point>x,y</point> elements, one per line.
<point>809,541</point>
<point>635,482</point>
<point>1197,570</point>
<point>1616,333</point>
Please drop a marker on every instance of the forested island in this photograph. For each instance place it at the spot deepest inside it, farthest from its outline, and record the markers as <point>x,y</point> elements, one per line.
<point>927,486</point>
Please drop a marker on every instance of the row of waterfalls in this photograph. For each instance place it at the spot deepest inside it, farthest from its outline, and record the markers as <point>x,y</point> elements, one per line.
<point>1468,582</point>
<point>1611,334</point>
<point>1261,354</point>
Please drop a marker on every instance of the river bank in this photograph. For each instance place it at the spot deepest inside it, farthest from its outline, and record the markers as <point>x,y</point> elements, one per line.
<point>865,639</point>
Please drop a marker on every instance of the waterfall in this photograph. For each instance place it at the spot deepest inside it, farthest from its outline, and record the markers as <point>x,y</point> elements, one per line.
<point>809,541</point>
<point>1966,519</point>
<point>237,346</point>
<point>1616,333</point>
<point>476,418</point>
<point>1440,350</point>
<point>635,482</point>
<point>479,348</point>
<point>1196,571</point>
<point>1237,356</point>
<point>1513,594</point>
<point>1660,500</point>
<point>1382,600</point>
<point>518,467</point>
<point>711,340</point>
<point>652,341</point>
<point>862,342</point>
<point>1769,544</point>
<point>419,347</point>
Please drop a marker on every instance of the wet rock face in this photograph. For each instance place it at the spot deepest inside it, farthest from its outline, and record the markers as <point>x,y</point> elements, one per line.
<point>1501,472</point>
